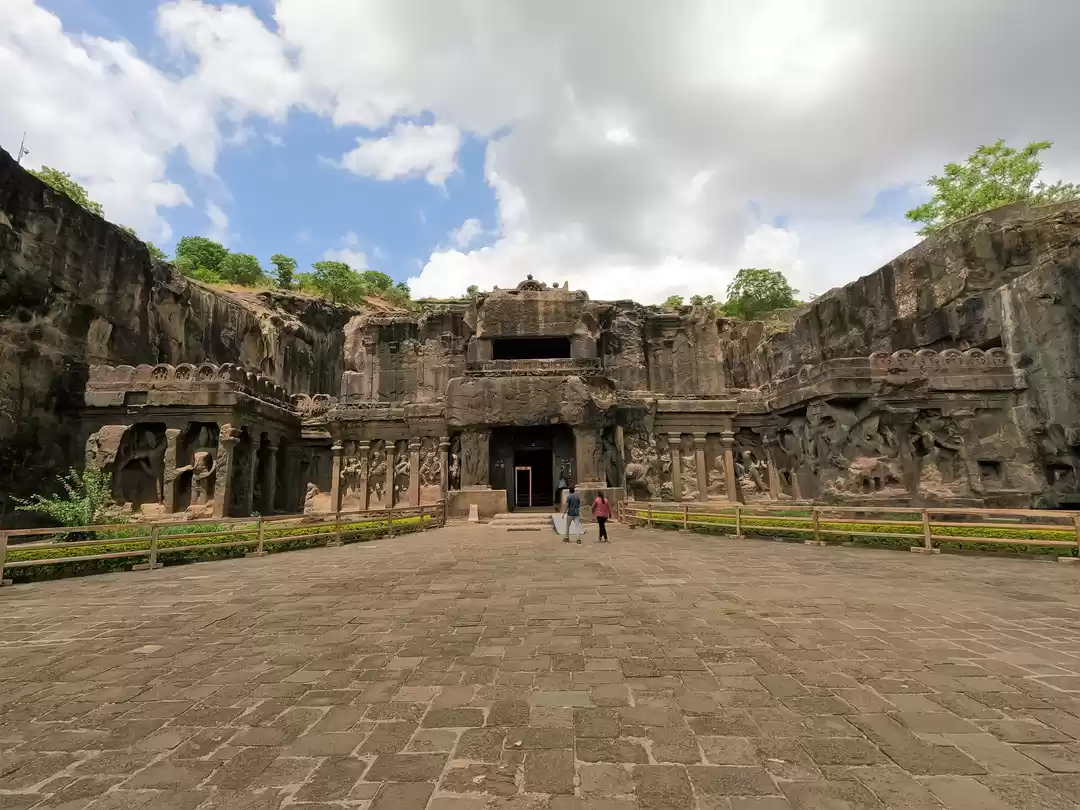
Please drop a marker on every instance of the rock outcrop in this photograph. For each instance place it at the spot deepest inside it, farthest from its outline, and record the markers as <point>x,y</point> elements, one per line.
<point>76,290</point>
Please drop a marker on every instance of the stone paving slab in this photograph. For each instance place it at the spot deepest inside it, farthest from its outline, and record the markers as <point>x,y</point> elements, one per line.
<point>467,668</point>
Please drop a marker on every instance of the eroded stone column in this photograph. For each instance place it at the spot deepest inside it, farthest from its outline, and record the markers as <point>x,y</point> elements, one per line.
<point>172,436</point>
<point>335,478</point>
<point>702,470</point>
<point>249,482</point>
<point>391,461</point>
<point>620,452</point>
<point>414,472</point>
<point>269,479</point>
<point>675,446</point>
<point>775,485</point>
<point>227,441</point>
<point>728,439</point>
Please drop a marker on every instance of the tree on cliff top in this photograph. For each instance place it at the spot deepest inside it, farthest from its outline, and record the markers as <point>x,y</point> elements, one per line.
<point>200,258</point>
<point>992,176</point>
<point>240,268</point>
<point>756,291</point>
<point>336,281</point>
<point>284,269</point>
<point>62,182</point>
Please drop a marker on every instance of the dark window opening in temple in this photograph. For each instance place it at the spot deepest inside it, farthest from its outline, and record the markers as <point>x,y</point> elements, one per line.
<point>539,348</point>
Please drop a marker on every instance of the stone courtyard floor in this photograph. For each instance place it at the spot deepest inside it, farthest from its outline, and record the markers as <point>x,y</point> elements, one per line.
<point>467,668</point>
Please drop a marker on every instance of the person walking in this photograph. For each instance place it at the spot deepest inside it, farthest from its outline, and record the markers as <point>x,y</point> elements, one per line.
<point>572,514</point>
<point>601,509</point>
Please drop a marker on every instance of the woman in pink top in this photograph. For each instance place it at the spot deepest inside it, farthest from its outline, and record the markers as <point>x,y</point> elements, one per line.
<point>601,509</point>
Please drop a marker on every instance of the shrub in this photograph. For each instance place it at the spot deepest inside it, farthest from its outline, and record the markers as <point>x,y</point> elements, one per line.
<point>85,498</point>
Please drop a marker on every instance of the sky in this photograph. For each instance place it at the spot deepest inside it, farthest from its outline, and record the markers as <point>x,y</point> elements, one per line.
<point>636,149</point>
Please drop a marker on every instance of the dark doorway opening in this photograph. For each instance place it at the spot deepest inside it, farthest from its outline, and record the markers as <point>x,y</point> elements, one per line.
<point>537,348</point>
<point>541,488</point>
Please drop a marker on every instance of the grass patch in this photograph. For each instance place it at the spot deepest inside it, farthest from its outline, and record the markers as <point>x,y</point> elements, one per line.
<point>872,535</point>
<point>171,538</point>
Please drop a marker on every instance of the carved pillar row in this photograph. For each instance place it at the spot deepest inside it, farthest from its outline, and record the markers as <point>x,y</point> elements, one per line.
<point>587,452</point>
<point>172,461</point>
<point>444,465</point>
<point>227,441</point>
<point>675,445</point>
<point>269,479</point>
<point>728,439</point>
<point>414,472</point>
<point>702,471</point>
<point>391,461</point>
<point>335,478</point>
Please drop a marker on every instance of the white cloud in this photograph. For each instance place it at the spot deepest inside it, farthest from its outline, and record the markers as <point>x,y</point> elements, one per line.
<point>219,224</point>
<point>348,252</point>
<point>274,140</point>
<point>410,150</point>
<point>639,148</point>
<point>469,232</point>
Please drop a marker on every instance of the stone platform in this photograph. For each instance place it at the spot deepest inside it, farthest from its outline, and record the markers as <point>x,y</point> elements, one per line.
<point>465,669</point>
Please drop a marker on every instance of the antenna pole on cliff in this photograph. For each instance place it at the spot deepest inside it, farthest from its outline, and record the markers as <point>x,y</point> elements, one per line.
<point>22,149</point>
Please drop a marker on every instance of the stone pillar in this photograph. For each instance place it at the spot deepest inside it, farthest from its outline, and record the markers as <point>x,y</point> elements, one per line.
<point>227,441</point>
<point>444,465</point>
<point>414,472</point>
<point>300,491</point>
<point>335,478</point>
<point>728,438</point>
<point>269,479</point>
<point>364,449</point>
<point>620,452</point>
<point>249,483</point>
<point>963,419</point>
<point>775,486</point>
<point>587,453</point>
<point>702,471</point>
<point>476,459</point>
<point>168,485</point>
<point>675,446</point>
<point>391,460</point>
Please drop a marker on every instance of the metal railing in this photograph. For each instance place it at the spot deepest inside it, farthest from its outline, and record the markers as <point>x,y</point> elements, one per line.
<point>928,527</point>
<point>151,542</point>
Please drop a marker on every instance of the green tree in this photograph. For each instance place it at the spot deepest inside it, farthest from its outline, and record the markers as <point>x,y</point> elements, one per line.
<point>240,268</point>
<point>336,281</point>
<point>198,252</point>
<point>673,302</point>
<point>86,497</point>
<point>62,182</point>
<point>755,291</point>
<point>472,290</point>
<point>992,176</point>
<point>377,281</point>
<point>284,269</point>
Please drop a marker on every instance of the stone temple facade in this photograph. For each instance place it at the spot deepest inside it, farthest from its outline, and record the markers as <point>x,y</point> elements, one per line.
<point>492,401</point>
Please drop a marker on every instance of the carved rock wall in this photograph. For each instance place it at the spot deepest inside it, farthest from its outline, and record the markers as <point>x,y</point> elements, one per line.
<point>76,290</point>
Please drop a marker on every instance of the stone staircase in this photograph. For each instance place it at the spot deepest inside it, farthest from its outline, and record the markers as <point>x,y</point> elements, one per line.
<point>523,521</point>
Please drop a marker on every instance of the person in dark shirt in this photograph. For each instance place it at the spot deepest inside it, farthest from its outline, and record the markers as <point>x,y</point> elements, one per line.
<point>572,514</point>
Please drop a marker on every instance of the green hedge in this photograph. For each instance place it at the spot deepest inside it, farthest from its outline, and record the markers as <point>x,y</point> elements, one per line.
<point>172,536</point>
<point>757,525</point>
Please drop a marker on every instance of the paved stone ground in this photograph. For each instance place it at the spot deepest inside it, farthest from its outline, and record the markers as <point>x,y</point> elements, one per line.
<point>468,668</point>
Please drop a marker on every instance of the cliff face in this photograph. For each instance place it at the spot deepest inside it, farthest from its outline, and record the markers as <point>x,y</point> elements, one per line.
<point>77,290</point>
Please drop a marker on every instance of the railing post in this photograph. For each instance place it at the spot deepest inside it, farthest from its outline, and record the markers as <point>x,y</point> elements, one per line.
<point>817,524</point>
<point>3,557</point>
<point>260,549</point>
<point>390,522</point>
<point>337,530</point>
<point>650,515</point>
<point>738,520</point>
<point>685,518</point>
<point>423,522</point>
<point>154,546</point>
<point>928,542</point>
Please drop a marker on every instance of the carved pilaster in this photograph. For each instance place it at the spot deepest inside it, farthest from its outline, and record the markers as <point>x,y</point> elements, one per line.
<point>172,436</point>
<point>391,462</point>
<point>335,478</point>
<point>587,454</point>
<point>768,439</point>
<point>620,455</point>
<point>414,472</point>
<point>248,502</point>
<point>702,471</point>
<point>728,440</point>
<point>476,459</point>
<point>444,465</point>
<point>363,450</point>
<point>675,445</point>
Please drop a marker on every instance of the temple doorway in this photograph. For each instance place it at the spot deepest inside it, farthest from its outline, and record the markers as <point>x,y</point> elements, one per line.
<point>527,462</point>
